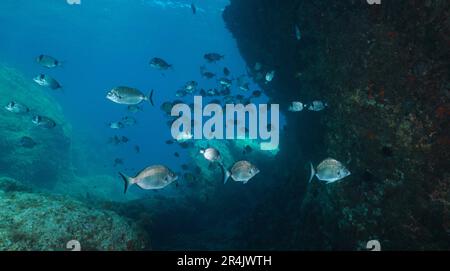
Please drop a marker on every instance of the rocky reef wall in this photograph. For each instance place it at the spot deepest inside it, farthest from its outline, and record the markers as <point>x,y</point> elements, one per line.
<point>40,222</point>
<point>383,70</point>
<point>49,159</point>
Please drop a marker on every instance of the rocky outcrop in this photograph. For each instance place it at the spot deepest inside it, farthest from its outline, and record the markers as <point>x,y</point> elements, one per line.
<point>383,69</point>
<point>45,163</point>
<point>40,222</point>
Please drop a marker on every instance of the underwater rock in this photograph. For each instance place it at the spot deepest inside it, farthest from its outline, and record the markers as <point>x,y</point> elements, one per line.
<point>40,222</point>
<point>382,94</point>
<point>52,145</point>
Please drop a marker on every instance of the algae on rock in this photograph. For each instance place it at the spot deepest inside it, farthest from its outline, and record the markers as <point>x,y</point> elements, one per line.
<point>35,222</point>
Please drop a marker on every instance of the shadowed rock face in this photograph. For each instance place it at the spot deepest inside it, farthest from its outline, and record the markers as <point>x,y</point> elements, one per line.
<point>384,72</point>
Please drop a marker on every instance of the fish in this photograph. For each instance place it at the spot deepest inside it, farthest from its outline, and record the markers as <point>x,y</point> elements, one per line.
<point>212,92</point>
<point>124,139</point>
<point>128,96</point>
<point>211,154</point>
<point>190,86</point>
<point>329,170</point>
<point>257,66</point>
<point>43,122</point>
<point>269,76</point>
<point>193,8</point>
<point>167,107</point>
<point>48,61</point>
<point>296,106</point>
<point>242,171</point>
<point>228,99</point>
<point>17,108</point>
<point>226,71</point>
<point>137,149</point>
<point>317,106</point>
<point>116,125</point>
<point>128,121</point>
<point>298,34</point>
<point>245,87</point>
<point>27,142</point>
<point>169,142</point>
<point>176,154</point>
<point>239,97</point>
<point>181,93</point>
<point>213,57</point>
<point>225,91</point>
<point>184,167</point>
<point>118,161</point>
<point>184,145</point>
<point>183,136</point>
<point>134,108</point>
<point>114,140</point>
<point>208,75</point>
<point>247,149</point>
<point>47,81</point>
<point>159,64</point>
<point>152,177</point>
<point>225,82</point>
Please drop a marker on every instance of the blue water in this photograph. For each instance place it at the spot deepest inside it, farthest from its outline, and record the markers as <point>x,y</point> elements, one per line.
<point>104,44</point>
<point>108,43</point>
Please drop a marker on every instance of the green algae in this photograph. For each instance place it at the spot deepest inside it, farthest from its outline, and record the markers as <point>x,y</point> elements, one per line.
<point>37,221</point>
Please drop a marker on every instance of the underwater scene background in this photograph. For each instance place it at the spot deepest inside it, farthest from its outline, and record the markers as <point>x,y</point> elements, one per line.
<point>372,83</point>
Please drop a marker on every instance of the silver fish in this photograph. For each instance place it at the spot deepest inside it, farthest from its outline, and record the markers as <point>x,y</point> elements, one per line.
<point>116,125</point>
<point>329,170</point>
<point>134,108</point>
<point>317,106</point>
<point>47,81</point>
<point>225,82</point>
<point>296,107</point>
<point>43,122</point>
<point>27,142</point>
<point>213,57</point>
<point>129,121</point>
<point>211,154</point>
<point>153,177</point>
<point>241,171</point>
<point>245,87</point>
<point>48,61</point>
<point>159,64</point>
<point>269,76</point>
<point>190,86</point>
<point>17,108</point>
<point>127,95</point>
<point>180,93</point>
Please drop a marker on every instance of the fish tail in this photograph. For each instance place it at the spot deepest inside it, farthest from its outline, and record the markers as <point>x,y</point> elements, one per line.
<point>313,172</point>
<point>127,181</point>
<point>150,98</point>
